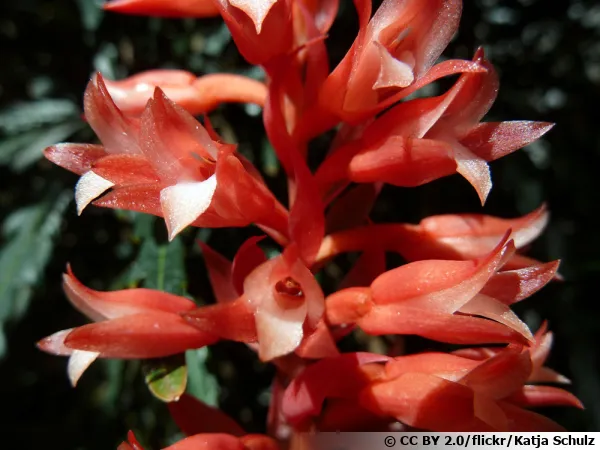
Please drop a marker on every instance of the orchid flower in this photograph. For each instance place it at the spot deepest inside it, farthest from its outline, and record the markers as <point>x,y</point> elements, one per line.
<point>421,140</point>
<point>167,164</point>
<point>448,301</point>
<point>281,302</point>
<point>131,323</point>
<point>393,56</point>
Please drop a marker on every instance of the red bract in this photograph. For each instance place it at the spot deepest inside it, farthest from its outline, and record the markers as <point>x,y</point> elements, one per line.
<point>132,323</point>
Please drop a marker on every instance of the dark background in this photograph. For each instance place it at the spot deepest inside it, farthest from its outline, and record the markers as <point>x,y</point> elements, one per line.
<point>548,57</point>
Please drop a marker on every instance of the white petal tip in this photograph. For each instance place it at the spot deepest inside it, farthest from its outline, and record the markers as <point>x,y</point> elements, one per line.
<point>88,188</point>
<point>257,11</point>
<point>183,203</point>
<point>79,361</point>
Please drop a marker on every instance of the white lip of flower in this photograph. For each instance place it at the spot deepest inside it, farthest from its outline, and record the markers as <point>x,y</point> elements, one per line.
<point>184,202</point>
<point>257,10</point>
<point>394,72</point>
<point>79,361</point>
<point>89,187</point>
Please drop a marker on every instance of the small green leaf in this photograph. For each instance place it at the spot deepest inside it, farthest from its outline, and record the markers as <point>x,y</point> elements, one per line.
<point>166,377</point>
<point>201,383</point>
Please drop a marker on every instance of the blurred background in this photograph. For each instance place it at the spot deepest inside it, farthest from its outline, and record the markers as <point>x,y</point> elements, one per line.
<point>548,57</point>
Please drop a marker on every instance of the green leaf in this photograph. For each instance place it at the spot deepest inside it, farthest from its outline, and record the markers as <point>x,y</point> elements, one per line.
<point>270,163</point>
<point>33,151</point>
<point>29,233</point>
<point>166,377</point>
<point>217,41</point>
<point>201,383</point>
<point>26,116</point>
<point>159,267</point>
<point>91,14</point>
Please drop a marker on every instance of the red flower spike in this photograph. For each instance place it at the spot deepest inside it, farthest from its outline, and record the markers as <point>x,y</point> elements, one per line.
<point>197,95</point>
<point>164,8</point>
<point>194,417</point>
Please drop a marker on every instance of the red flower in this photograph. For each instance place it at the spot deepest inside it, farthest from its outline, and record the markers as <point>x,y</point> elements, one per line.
<point>282,303</point>
<point>131,323</point>
<point>444,300</point>
<point>424,139</point>
<point>168,165</point>
<point>393,56</point>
